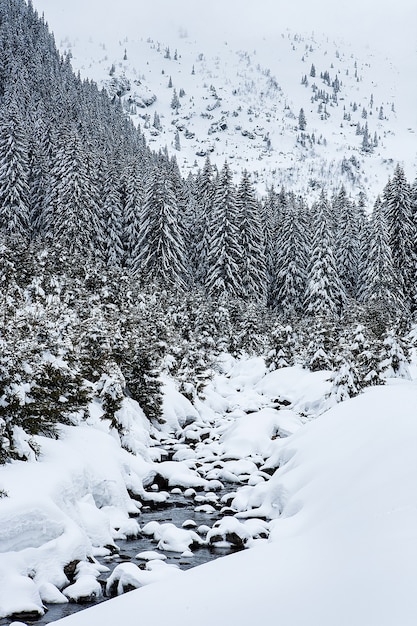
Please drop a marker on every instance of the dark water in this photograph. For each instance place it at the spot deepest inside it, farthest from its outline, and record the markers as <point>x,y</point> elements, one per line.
<point>179,510</point>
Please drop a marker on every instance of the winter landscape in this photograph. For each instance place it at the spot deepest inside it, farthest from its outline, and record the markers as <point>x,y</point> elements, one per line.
<point>208,341</point>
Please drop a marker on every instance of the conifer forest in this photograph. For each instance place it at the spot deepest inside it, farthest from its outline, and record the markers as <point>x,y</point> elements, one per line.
<point>114,267</point>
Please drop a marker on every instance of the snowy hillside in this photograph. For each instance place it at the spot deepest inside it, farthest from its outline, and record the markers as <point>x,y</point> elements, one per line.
<point>243,103</point>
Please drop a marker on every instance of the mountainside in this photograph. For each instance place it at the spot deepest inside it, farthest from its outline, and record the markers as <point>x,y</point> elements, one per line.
<point>244,104</point>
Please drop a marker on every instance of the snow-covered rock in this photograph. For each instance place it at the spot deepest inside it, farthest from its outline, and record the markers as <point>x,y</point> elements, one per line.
<point>128,576</point>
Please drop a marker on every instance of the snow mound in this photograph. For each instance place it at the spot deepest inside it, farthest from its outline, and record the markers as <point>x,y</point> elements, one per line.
<point>253,434</point>
<point>19,594</point>
<point>128,576</point>
<point>177,411</point>
<point>305,390</point>
<point>170,538</point>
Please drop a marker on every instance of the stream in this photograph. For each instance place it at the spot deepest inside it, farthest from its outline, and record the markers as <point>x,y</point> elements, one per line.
<point>176,511</point>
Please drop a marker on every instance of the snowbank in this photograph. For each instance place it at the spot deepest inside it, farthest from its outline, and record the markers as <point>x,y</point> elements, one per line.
<point>305,390</point>
<point>64,508</point>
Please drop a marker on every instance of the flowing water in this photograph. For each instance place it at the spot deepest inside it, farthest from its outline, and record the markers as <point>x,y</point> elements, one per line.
<point>178,510</point>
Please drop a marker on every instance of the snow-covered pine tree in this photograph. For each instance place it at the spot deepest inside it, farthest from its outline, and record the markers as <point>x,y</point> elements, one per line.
<point>414,209</point>
<point>41,146</point>
<point>251,241</point>
<point>249,335</point>
<point>383,288</point>
<point>224,254</point>
<point>398,210</point>
<point>175,102</point>
<point>269,214</point>
<point>14,172</point>
<point>320,339</point>
<point>394,357</point>
<point>204,190</point>
<point>159,255</point>
<point>347,242</point>
<point>363,247</point>
<point>302,122</point>
<point>363,349</point>
<point>71,218</point>
<point>283,347</point>
<point>290,260</point>
<point>325,294</point>
<point>132,198</point>
<point>344,385</point>
<point>112,216</point>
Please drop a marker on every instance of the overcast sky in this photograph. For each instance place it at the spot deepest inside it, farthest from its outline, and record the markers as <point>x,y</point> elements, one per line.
<point>389,24</point>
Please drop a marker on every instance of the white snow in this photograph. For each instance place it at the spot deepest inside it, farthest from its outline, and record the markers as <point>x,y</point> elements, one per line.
<point>252,434</point>
<point>85,586</point>
<point>170,538</point>
<point>151,555</point>
<point>128,575</point>
<point>177,410</point>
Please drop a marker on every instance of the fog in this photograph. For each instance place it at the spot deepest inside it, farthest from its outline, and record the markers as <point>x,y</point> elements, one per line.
<point>381,23</point>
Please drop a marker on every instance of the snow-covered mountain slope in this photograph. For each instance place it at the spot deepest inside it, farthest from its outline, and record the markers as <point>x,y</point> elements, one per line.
<point>242,103</point>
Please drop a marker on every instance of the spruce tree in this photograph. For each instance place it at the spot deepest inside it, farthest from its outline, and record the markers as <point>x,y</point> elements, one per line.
<point>204,190</point>
<point>347,243</point>
<point>112,216</point>
<point>132,199</point>
<point>225,254</point>
<point>283,345</point>
<point>253,265</point>
<point>159,255</point>
<point>383,287</point>
<point>71,218</point>
<point>398,209</point>
<point>270,221</point>
<point>290,261</point>
<point>325,294</point>
<point>14,173</point>
<point>394,357</point>
<point>344,384</point>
